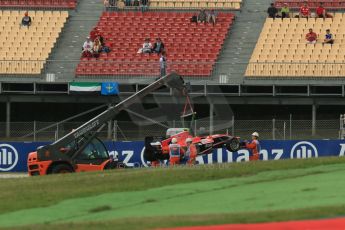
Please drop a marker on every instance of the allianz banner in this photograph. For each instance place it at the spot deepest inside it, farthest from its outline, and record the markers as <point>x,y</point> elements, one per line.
<point>13,155</point>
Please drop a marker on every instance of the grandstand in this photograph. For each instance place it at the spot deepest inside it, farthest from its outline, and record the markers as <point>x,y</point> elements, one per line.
<point>192,49</point>
<point>281,50</point>
<point>63,62</point>
<point>24,50</point>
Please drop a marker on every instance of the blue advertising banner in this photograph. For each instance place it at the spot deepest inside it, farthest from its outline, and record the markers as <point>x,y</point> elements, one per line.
<point>13,155</point>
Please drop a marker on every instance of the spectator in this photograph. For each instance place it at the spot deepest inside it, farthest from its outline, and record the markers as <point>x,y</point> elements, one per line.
<point>158,47</point>
<point>144,5</point>
<point>87,48</point>
<point>128,3</point>
<point>311,37</point>
<point>304,11</point>
<point>97,48</point>
<point>26,20</point>
<point>285,11</point>
<point>106,3</point>
<point>136,4</point>
<point>211,17</point>
<point>147,47</point>
<point>105,48</point>
<point>321,12</point>
<point>272,11</point>
<point>100,38</point>
<point>202,16</point>
<point>163,64</point>
<point>194,18</point>
<point>328,38</point>
<point>112,2</point>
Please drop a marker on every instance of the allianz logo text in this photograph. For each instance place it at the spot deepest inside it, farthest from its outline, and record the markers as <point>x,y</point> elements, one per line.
<point>8,157</point>
<point>303,149</point>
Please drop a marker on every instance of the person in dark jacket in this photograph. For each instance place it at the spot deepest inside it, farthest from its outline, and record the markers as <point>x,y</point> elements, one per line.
<point>26,20</point>
<point>272,11</point>
<point>144,5</point>
<point>202,16</point>
<point>158,46</point>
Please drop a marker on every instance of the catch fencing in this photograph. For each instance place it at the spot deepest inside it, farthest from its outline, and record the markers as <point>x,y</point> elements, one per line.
<point>131,131</point>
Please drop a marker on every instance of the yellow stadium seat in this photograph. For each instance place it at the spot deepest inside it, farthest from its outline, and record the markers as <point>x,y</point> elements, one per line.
<point>211,5</point>
<point>203,5</point>
<point>22,43</point>
<point>219,5</point>
<point>178,4</point>
<point>154,4</point>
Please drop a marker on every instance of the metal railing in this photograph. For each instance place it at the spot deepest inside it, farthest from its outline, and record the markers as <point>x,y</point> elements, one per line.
<point>128,130</point>
<point>67,69</point>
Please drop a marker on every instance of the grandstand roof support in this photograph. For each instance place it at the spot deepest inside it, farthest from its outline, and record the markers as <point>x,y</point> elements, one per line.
<point>166,99</point>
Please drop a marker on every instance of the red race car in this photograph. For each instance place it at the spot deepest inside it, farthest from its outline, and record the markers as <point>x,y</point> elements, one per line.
<point>157,148</point>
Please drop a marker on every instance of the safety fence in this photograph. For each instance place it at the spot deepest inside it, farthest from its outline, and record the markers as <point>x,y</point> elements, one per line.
<point>129,130</point>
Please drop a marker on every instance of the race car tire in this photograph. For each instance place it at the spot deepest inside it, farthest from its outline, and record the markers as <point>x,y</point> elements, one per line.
<point>233,145</point>
<point>61,168</point>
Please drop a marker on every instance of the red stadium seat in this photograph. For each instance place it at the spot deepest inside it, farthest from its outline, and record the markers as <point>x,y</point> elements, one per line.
<point>60,4</point>
<point>186,44</point>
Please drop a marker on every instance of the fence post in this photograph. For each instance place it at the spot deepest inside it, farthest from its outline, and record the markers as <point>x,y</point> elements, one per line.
<point>115,131</point>
<point>290,126</point>
<point>211,117</point>
<point>35,130</point>
<point>233,126</point>
<point>273,129</point>
<point>109,130</point>
<point>284,130</point>
<point>57,131</point>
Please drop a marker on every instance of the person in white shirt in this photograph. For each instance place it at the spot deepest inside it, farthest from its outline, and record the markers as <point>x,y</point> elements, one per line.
<point>87,48</point>
<point>147,47</point>
<point>106,3</point>
<point>163,64</point>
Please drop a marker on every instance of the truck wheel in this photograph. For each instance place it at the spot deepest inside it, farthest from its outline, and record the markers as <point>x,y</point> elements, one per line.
<point>61,168</point>
<point>233,145</point>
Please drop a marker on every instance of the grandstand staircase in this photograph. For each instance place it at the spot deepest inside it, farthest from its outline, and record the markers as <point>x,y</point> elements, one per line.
<point>72,38</point>
<point>239,46</point>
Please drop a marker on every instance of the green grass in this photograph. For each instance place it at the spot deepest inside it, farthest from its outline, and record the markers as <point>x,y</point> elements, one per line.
<point>147,198</point>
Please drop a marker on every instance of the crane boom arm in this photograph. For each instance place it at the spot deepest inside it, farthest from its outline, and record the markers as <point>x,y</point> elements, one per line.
<point>172,81</point>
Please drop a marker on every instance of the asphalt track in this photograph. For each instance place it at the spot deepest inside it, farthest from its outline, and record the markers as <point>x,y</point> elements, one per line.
<point>326,224</point>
